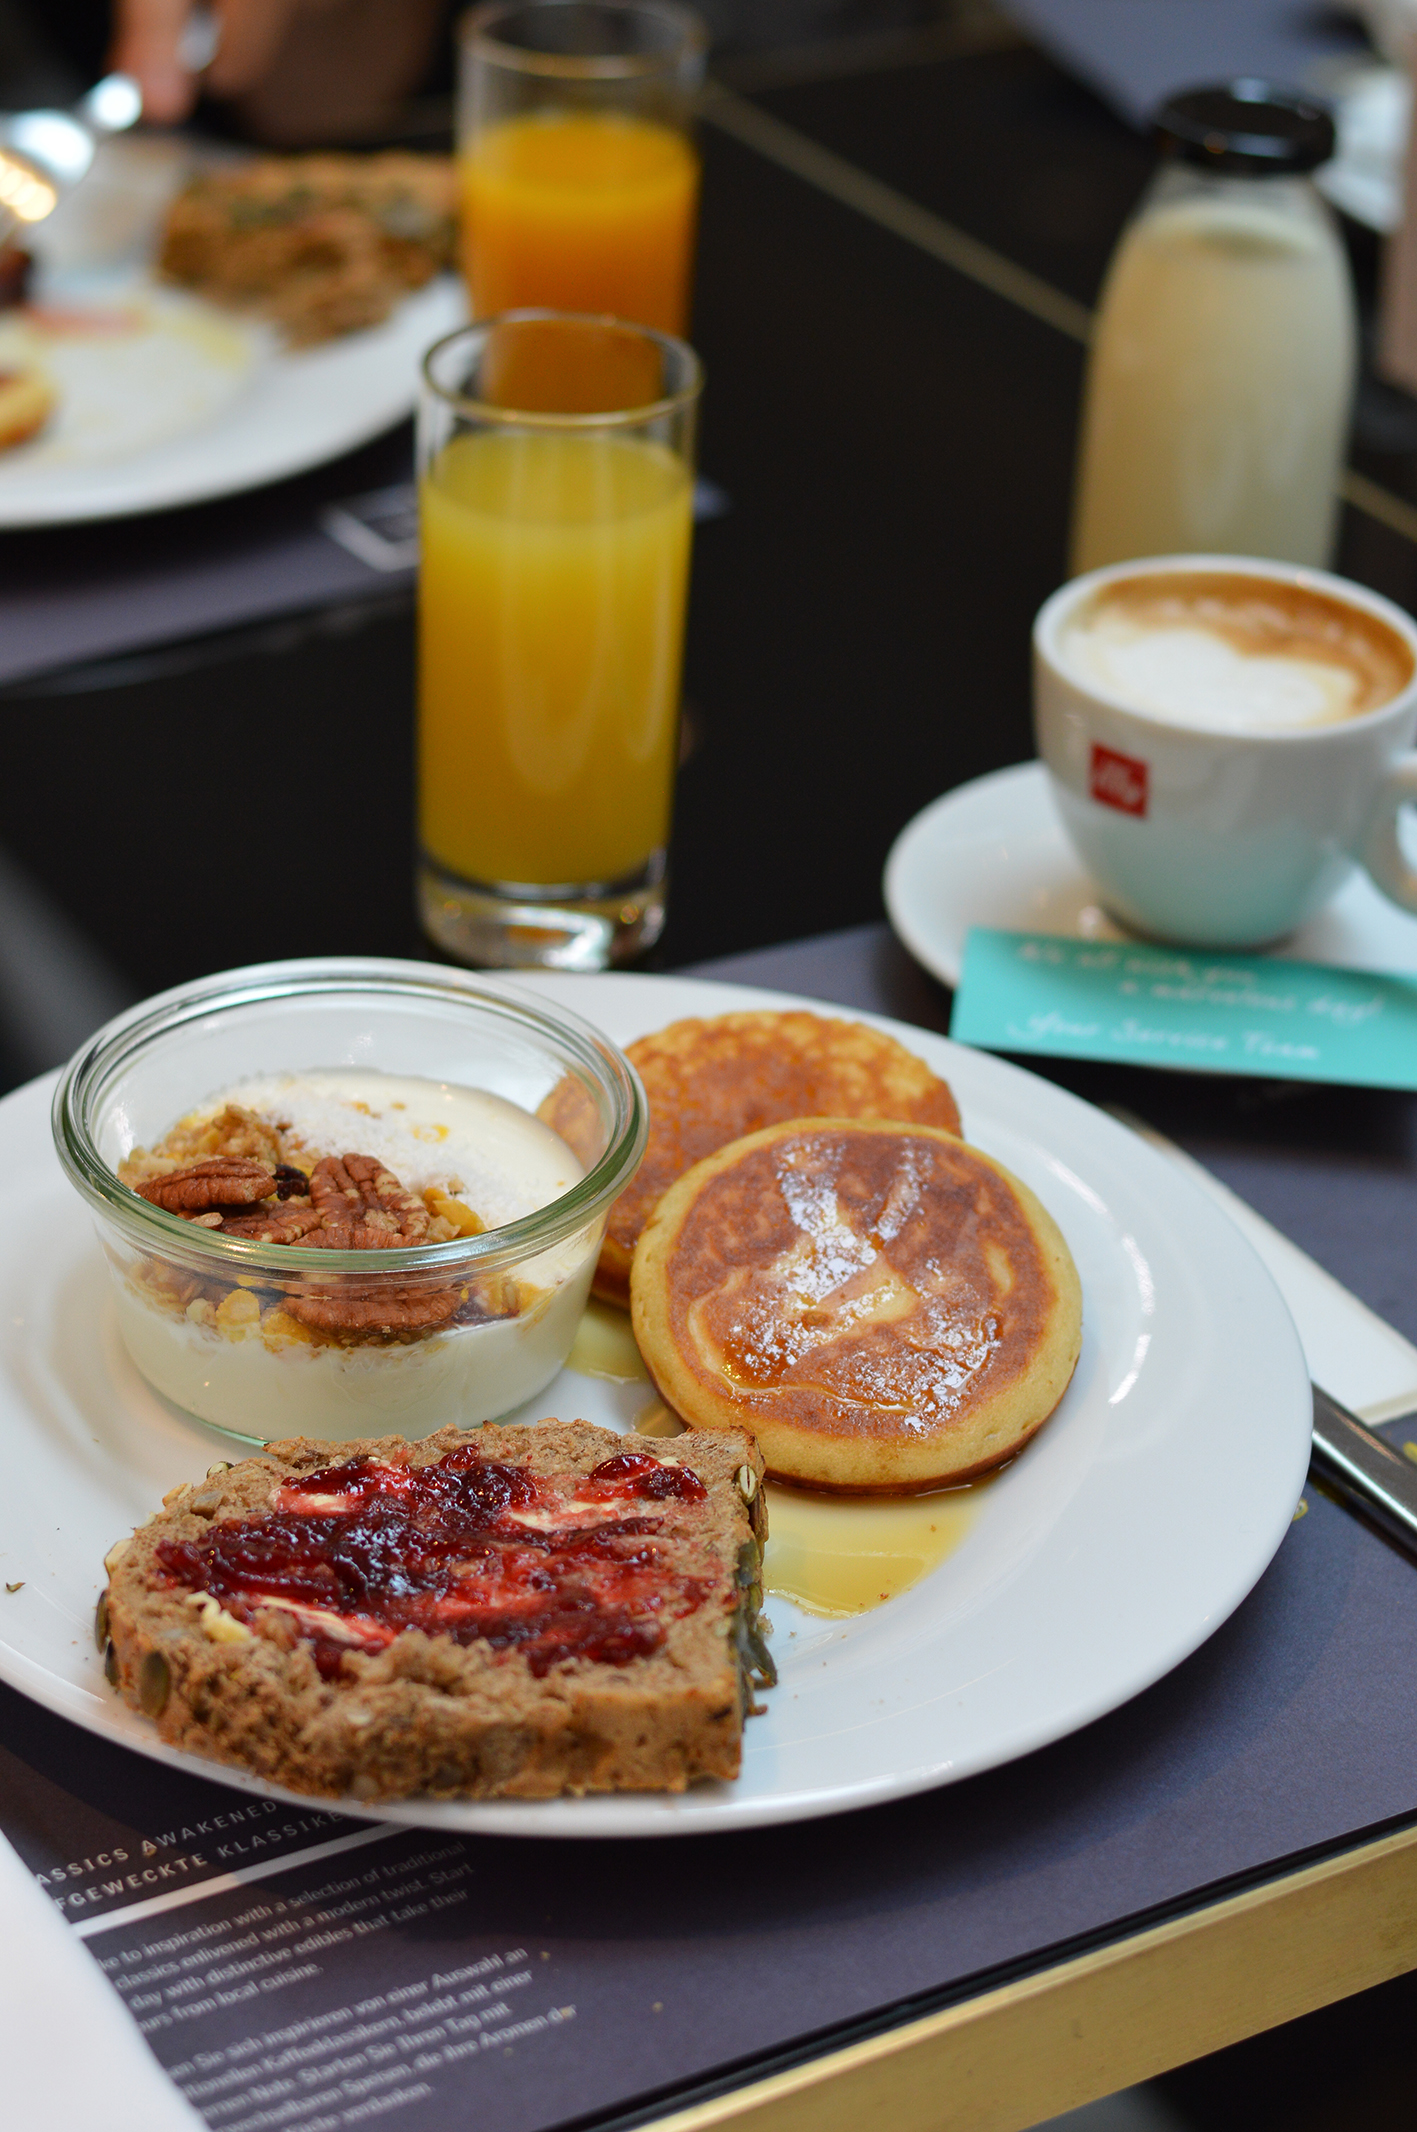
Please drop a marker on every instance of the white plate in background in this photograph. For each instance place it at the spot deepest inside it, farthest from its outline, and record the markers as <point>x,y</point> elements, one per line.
<point>189,403</point>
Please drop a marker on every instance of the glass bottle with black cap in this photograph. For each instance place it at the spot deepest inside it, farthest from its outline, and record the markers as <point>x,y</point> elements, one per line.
<point>1221,373</point>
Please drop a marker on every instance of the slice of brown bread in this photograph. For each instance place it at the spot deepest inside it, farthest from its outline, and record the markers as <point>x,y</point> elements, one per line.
<point>635,1674</point>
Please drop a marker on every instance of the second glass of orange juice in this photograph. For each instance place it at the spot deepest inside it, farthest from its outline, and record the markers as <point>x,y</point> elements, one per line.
<point>556,458</point>
<point>580,180</point>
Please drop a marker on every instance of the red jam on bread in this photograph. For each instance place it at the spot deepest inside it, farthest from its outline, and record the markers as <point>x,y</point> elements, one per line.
<point>469,1547</point>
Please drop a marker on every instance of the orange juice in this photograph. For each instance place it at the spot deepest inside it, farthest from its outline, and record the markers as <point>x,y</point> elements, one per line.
<point>581,212</point>
<point>551,617</point>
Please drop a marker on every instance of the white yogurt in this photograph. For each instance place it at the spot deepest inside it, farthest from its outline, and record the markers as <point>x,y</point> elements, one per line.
<point>490,1153</point>
<point>501,1161</point>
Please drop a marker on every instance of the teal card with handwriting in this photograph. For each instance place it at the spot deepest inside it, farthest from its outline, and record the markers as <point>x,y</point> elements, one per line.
<point>1187,1007</point>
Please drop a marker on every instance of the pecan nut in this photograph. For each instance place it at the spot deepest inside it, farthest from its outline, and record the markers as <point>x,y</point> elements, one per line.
<point>386,1309</point>
<point>274,1222</point>
<point>206,1187</point>
<point>363,1207</point>
<point>355,1204</point>
<point>352,1204</point>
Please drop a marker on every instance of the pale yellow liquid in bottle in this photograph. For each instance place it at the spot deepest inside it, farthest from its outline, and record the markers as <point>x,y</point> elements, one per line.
<point>1218,385</point>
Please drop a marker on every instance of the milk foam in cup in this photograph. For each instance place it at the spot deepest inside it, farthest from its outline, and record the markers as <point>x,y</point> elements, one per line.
<point>1233,654</point>
<point>1226,740</point>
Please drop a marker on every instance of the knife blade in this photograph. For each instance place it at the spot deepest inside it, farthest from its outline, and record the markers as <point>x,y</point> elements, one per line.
<point>1364,1470</point>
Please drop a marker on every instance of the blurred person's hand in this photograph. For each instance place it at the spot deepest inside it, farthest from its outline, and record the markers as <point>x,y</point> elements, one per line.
<point>297,72</point>
<point>147,37</point>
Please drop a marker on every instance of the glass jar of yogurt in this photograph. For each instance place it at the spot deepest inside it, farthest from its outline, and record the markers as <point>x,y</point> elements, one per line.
<point>513,1123</point>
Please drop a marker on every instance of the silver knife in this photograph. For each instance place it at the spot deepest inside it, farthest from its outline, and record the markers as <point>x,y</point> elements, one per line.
<point>1368,1473</point>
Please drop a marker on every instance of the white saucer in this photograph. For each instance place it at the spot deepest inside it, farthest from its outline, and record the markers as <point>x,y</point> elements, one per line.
<point>993,852</point>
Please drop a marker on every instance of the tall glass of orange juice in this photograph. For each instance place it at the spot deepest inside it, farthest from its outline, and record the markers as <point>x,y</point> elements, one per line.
<point>556,479</point>
<point>580,181</point>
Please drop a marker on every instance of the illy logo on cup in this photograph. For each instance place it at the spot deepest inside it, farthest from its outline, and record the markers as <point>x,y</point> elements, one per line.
<point>1117,780</point>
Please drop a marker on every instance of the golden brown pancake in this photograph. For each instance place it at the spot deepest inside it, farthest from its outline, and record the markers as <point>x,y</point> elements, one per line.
<point>710,1081</point>
<point>884,1307</point>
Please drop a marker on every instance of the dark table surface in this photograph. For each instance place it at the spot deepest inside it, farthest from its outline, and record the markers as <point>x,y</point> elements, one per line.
<point>896,444</point>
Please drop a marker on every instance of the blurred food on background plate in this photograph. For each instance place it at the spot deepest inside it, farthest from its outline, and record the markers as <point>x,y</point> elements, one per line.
<point>26,403</point>
<point>319,244</point>
<point>27,395</point>
<point>124,370</point>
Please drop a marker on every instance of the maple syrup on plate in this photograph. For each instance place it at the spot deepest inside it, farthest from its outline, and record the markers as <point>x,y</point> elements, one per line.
<point>842,1554</point>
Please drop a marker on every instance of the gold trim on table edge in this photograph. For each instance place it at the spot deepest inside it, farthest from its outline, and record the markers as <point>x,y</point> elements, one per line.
<point>1125,2012</point>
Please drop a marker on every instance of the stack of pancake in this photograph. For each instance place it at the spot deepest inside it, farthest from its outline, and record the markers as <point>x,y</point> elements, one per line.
<point>812,1252</point>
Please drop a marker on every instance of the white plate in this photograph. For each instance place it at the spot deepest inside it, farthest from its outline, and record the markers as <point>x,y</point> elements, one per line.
<point>191,403</point>
<point>994,852</point>
<point>1124,1535</point>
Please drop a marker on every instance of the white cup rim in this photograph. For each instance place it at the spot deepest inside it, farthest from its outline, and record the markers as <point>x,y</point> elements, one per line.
<point>1059,605</point>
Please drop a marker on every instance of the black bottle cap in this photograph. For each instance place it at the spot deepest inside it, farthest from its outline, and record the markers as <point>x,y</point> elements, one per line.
<point>1246,129</point>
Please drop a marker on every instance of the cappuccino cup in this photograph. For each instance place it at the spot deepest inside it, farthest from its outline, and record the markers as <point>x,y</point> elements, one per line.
<point>1227,739</point>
